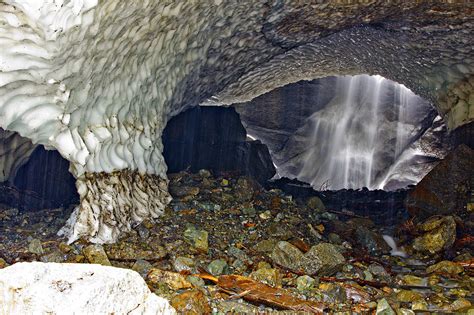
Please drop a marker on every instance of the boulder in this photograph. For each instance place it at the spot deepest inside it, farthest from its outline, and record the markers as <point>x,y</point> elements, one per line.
<point>439,234</point>
<point>51,288</point>
<point>323,259</point>
<point>445,189</point>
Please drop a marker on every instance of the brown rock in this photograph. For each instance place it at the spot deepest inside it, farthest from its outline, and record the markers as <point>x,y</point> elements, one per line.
<point>439,234</point>
<point>173,280</point>
<point>191,302</point>
<point>445,189</point>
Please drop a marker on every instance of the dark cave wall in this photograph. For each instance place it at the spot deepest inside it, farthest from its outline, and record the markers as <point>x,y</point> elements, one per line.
<point>213,138</point>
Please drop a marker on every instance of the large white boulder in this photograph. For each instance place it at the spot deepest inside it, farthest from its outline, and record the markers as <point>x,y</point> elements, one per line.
<point>50,288</point>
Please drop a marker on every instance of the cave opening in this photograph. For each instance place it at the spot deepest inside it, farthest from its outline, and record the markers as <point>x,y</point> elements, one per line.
<point>34,178</point>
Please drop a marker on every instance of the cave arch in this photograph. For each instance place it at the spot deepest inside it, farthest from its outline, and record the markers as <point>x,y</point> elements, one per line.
<point>98,80</point>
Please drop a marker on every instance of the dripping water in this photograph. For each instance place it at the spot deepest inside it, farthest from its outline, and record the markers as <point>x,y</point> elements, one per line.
<point>347,147</point>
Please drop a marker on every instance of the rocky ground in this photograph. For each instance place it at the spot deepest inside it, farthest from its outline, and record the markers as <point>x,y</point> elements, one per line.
<point>226,245</point>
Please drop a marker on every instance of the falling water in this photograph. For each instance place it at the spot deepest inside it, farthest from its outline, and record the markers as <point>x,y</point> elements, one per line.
<point>345,150</point>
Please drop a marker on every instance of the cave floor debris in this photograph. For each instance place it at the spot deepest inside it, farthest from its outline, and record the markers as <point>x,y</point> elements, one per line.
<point>225,245</point>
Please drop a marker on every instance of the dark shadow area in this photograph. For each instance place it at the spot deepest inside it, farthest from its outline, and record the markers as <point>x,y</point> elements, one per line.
<point>213,138</point>
<point>43,182</point>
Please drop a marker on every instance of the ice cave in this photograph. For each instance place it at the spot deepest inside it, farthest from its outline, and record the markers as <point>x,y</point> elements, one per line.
<point>236,157</point>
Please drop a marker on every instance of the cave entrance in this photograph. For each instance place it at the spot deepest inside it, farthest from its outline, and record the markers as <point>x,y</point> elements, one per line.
<point>34,178</point>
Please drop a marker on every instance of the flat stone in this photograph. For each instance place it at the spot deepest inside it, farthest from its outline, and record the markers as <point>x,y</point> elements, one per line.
<point>265,246</point>
<point>446,266</point>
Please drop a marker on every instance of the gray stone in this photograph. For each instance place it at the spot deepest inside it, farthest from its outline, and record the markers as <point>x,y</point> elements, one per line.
<point>183,263</point>
<point>287,255</point>
<point>323,259</point>
<point>217,267</point>
<point>35,247</point>
<point>383,308</point>
<point>371,241</point>
<point>142,267</point>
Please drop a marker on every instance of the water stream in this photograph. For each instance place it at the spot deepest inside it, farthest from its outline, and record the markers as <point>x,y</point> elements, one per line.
<point>359,134</point>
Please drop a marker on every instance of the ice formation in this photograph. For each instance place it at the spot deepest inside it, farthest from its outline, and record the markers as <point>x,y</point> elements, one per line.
<point>98,80</point>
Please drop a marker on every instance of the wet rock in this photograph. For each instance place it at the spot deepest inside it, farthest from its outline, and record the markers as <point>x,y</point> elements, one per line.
<point>65,248</point>
<point>268,276</point>
<point>323,259</point>
<point>3,263</point>
<point>446,267</point>
<point>54,256</point>
<point>217,267</point>
<point>444,190</point>
<point>334,239</point>
<point>142,267</point>
<point>458,305</point>
<point>439,234</point>
<point>278,231</point>
<point>383,308</point>
<point>408,296</point>
<point>46,288</point>
<point>173,280</point>
<point>371,241</point>
<point>378,271</point>
<point>316,204</point>
<point>197,238</point>
<point>95,254</point>
<point>183,191</point>
<point>191,302</point>
<point>419,305</point>
<point>35,247</point>
<point>414,280</point>
<point>237,253</point>
<point>287,255</point>
<point>305,283</point>
<point>183,263</point>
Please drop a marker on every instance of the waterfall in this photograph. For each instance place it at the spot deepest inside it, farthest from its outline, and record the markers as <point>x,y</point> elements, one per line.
<point>353,141</point>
